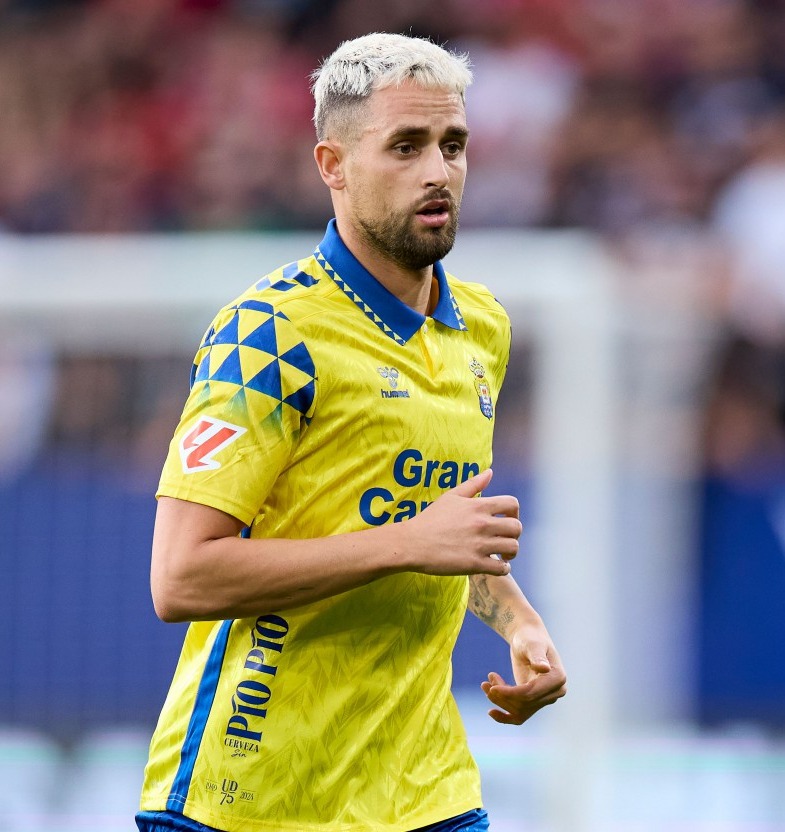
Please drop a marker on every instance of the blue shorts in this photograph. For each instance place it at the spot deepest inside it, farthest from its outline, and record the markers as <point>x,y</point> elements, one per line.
<point>474,821</point>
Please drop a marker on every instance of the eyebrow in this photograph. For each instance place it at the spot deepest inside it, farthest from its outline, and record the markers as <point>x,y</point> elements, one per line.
<point>413,132</point>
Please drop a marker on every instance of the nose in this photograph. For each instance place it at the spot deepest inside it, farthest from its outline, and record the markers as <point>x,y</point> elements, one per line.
<point>435,173</point>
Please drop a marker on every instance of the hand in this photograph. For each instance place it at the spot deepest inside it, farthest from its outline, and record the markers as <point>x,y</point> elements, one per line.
<point>459,532</point>
<point>539,678</point>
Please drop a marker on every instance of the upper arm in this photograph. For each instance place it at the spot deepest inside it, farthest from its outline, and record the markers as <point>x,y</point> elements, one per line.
<point>181,528</point>
<point>245,413</point>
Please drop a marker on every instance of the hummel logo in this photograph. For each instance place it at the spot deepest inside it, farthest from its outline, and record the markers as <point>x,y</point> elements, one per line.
<point>392,375</point>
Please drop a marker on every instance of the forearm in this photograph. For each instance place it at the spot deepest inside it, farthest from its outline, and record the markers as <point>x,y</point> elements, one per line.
<point>202,570</point>
<point>499,602</point>
<point>230,577</point>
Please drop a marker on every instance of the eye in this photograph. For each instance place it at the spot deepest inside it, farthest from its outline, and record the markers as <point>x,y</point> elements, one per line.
<point>404,149</point>
<point>452,149</point>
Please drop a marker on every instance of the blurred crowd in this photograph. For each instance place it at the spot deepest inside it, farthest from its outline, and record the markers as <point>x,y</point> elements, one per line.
<point>159,115</point>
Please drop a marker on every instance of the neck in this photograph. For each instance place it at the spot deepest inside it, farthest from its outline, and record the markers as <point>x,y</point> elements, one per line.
<point>414,287</point>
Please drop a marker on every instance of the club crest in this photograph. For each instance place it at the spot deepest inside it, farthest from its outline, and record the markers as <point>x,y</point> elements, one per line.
<point>482,387</point>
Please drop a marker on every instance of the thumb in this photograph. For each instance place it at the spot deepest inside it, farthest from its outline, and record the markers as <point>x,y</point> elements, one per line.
<point>474,485</point>
<point>538,659</point>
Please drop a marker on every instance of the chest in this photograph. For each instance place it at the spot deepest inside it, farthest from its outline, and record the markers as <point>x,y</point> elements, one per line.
<point>436,394</point>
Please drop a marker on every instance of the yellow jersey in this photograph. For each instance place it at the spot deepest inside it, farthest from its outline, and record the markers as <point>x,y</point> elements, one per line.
<point>321,404</point>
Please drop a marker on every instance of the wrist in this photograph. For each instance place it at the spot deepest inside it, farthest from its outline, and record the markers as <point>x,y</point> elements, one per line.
<point>526,628</point>
<point>396,545</point>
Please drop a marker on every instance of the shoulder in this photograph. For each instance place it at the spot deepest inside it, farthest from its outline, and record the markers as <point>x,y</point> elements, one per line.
<point>487,322</point>
<point>476,301</point>
<point>292,291</point>
<point>284,298</point>
<point>267,320</point>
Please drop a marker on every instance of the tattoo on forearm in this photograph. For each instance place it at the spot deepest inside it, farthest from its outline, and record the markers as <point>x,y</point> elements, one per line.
<point>483,604</point>
<point>505,619</point>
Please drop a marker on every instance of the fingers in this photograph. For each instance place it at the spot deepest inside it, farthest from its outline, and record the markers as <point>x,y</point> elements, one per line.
<point>505,718</point>
<point>510,715</point>
<point>493,523</point>
<point>501,526</point>
<point>465,531</point>
<point>490,565</point>
<point>504,547</point>
<point>474,485</point>
<point>516,703</point>
<point>494,554</point>
<point>503,504</point>
<point>500,504</point>
<point>497,535</point>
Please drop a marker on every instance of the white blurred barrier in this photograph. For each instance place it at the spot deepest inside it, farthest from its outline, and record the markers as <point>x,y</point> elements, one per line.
<point>30,771</point>
<point>681,781</point>
<point>104,781</point>
<point>93,787</point>
<point>677,780</point>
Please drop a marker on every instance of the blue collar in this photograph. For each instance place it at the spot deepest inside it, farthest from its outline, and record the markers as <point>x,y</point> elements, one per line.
<point>392,316</point>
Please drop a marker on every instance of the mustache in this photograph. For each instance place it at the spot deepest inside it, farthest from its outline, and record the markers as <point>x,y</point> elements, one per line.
<point>438,193</point>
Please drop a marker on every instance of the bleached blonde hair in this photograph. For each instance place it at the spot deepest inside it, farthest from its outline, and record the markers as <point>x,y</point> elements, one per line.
<point>345,79</point>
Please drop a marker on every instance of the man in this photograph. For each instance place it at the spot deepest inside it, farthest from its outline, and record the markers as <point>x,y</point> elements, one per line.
<point>318,513</point>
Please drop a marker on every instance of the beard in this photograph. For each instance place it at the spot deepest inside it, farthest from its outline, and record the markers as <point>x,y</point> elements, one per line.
<point>395,238</point>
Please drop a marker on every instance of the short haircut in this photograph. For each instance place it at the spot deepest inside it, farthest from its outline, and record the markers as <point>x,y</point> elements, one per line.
<point>345,79</point>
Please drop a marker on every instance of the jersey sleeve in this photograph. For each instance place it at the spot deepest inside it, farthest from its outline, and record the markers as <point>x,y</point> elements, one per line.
<point>253,390</point>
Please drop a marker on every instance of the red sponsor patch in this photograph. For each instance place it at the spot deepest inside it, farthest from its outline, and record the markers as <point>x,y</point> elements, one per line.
<point>205,439</point>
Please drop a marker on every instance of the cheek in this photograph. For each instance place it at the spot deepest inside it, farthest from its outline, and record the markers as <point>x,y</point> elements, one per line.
<point>458,178</point>
<point>368,197</point>
<point>366,183</point>
<point>379,194</point>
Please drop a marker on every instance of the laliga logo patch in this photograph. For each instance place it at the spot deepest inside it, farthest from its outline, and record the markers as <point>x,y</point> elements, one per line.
<point>203,441</point>
<point>482,387</point>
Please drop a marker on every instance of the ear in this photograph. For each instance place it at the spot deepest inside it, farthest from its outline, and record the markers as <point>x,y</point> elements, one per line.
<point>329,159</point>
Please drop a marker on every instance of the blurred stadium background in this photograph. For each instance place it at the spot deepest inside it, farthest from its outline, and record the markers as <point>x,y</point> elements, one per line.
<point>626,201</point>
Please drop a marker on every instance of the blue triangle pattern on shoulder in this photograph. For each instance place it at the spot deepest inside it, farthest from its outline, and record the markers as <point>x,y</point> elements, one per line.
<point>208,336</point>
<point>282,285</point>
<point>229,370</point>
<point>268,381</point>
<point>298,356</point>
<point>263,338</point>
<point>227,334</point>
<point>201,371</point>
<point>256,306</point>
<point>302,399</point>
<point>305,279</point>
<point>239,401</point>
<point>290,276</point>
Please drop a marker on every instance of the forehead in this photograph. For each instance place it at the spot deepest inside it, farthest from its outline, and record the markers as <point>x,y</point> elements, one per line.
<point>412,105</point>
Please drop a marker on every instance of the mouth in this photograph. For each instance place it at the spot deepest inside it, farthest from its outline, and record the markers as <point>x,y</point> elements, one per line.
<point>435,214</point>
